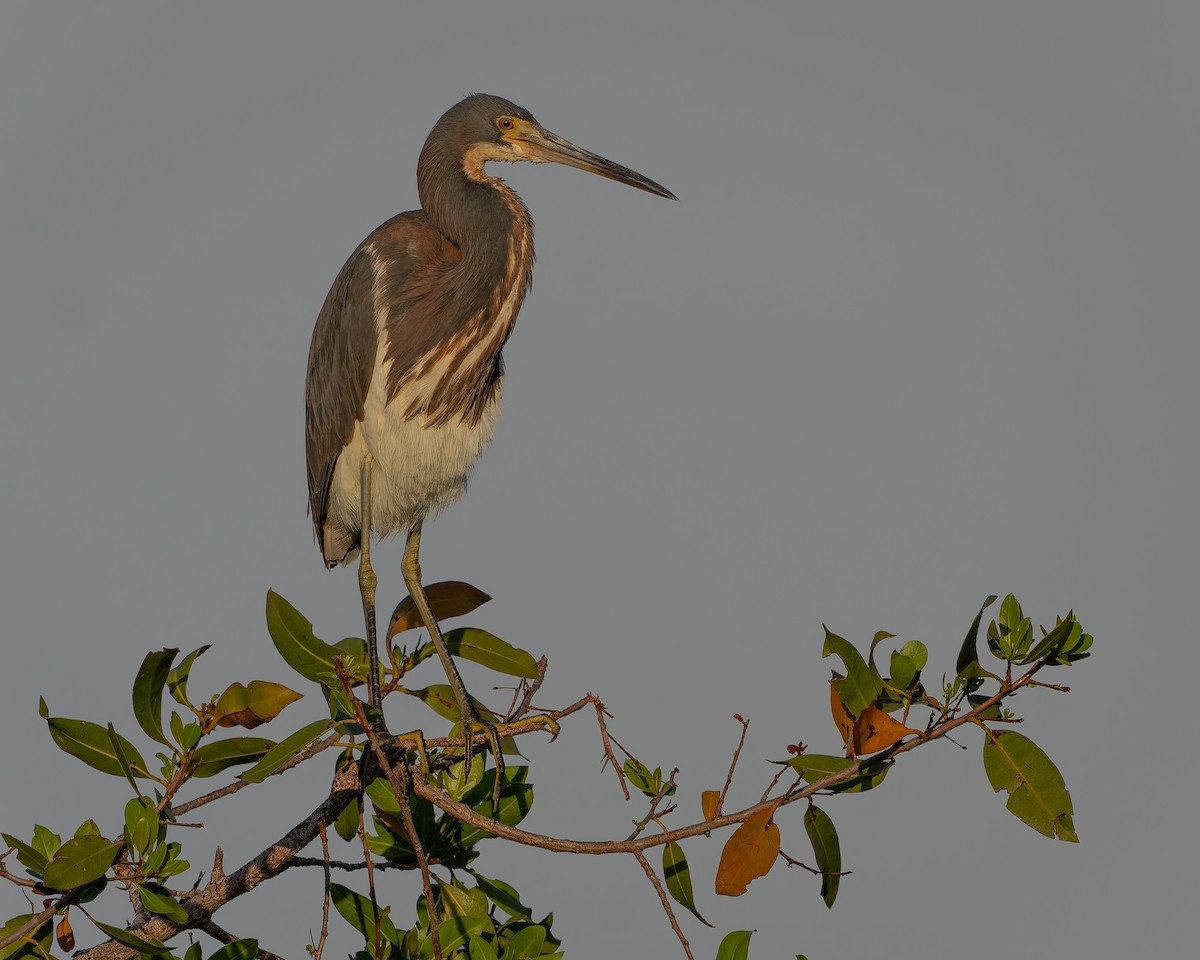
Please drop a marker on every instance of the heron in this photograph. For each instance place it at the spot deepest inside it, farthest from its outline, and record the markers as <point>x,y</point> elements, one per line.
<point>405,369</point>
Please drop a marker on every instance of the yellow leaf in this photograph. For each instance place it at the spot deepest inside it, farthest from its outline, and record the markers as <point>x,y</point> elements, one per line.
<point>875,730</point>
<point>842,718</point>
<point>710,803</point>
<point>749,853</point>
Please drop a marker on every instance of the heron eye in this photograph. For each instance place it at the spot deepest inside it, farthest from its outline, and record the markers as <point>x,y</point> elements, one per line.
<point>506,123</point>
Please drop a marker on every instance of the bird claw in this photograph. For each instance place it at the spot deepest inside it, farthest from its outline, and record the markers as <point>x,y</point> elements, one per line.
<point>492,733</point>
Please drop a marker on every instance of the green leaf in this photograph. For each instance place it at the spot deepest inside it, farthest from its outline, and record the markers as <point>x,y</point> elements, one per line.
<point>45,841</point>
<point>457,900</point>
<point>285,750</point>
<point>968,656</point>
<point>815,766</point>
<point>479,949</point>
<point>1047,648</point>
<point>735,946</point>
<point>87,829</point>
<point>148,690</point>
<point>141,824</point>
<point>647,781</point>
<point>114,741</point>
<point>346,824</point>
<point>1010,614</point>
<point>80,860</point>
<point>211,758</point>
<point>238,950</point>
<point>1038,795</point>
<point>526,943</point>
<point>502,895</point>
<point>917,652</point>
<point>293,637</point>
<point>453,932</point>
<point>484,648</point>
<point>991,713</point>
<point>194,953</point>
<point>357,911</point>
<point>26,854</point>
<point>904,671</point>
<point>439,697</point>
<point>858,689</point>
<point>148,946</point>
<point>159,902</point>
<point>826,850</point>
<point>462,778</point>
<point>177,679</point>
<point>37,943</point>
<point>679,879</point>
<point>89,742</point>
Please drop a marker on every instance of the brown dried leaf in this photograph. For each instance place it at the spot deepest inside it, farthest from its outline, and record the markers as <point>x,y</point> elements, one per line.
<point>749,853</point>
<point>451,598</point>
<point>65,935</point>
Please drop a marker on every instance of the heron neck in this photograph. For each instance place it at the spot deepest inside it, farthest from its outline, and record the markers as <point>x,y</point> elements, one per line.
<point>478,216</point>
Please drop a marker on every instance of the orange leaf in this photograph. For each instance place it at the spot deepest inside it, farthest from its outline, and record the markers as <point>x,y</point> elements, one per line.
<point>749,853</point>
<point>710,803</point>
<point>875,730</point>
<point>64,934</point>
<point>842,718</point>
<point>448,599</point>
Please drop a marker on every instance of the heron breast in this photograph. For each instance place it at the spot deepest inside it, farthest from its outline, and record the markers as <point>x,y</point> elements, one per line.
<point>421,465</point>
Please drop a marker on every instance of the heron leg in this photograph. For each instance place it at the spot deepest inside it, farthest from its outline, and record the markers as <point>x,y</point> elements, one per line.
<point>471,720</point>
<point>367,582</point>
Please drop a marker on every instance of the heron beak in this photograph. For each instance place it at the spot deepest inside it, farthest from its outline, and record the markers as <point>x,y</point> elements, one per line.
<point>542,146</point>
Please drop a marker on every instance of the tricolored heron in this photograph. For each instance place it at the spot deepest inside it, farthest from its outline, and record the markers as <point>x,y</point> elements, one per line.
<point>405,368</point>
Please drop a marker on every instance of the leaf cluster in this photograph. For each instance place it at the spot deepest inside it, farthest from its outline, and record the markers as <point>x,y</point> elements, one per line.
<point>396,826</point>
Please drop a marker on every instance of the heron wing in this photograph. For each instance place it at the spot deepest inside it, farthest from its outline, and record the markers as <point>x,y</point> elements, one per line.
<point>340,363</point>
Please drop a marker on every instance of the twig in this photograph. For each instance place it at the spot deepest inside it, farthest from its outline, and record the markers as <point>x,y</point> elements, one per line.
<point>662,896</point>
<point>609,757</point>
<point>531,691</point>
<point>362,835</point>
<point>792,862</point>
<point>733,763</point>
<point>654,813</point>
<point>401,793</point>
<point>325,899</point>
<point>224,936</point>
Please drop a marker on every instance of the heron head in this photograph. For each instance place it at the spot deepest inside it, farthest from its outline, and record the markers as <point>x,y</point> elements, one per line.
<point>486,128</point>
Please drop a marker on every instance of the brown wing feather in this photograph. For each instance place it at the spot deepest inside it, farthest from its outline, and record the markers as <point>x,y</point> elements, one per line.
<point>340,363</point>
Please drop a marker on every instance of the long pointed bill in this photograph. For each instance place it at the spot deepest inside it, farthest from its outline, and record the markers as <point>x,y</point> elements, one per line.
<point>543,146</point>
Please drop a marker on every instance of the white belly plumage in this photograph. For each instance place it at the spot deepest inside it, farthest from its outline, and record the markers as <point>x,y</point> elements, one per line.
<point>419,468</point>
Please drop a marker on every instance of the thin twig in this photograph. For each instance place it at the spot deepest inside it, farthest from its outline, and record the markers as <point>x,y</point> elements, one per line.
<point>792,862</point>
<point>662,896</point>
<point>531,690</point>
<point>609,757</point>
<point>401,793</point>
<point>736,753</point>
<point>668,787</point>
<point>362,835</point>
<point>224,936</point>
<point>325,899</point>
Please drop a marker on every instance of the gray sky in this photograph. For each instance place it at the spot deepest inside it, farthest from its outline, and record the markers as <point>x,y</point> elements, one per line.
<point>922,328</point>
